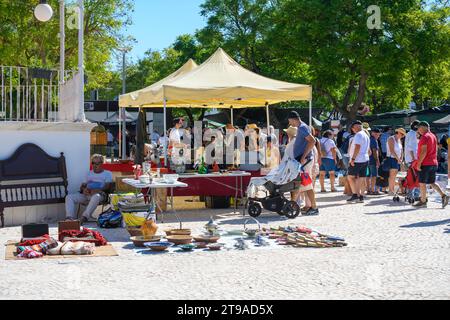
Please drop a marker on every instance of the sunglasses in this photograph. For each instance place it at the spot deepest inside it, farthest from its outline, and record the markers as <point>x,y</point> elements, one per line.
<point>96,163</point>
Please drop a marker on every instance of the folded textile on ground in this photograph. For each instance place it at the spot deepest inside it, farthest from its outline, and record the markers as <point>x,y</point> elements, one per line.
<point>41,248</point>
<point>85,235</point>
<point>34,241</point>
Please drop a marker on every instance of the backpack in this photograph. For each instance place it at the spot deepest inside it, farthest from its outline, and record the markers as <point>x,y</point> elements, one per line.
<point>110,219</point>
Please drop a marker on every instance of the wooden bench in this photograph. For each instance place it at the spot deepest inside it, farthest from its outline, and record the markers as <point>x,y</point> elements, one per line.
<point>31,177</point>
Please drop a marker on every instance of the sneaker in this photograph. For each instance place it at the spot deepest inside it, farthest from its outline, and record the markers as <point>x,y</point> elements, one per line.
<point>361,199</point>
<point>84,220</point>
<point>354,198</point>
<point>445,200</point>
<point>420,204</point>
<point>312,212</point>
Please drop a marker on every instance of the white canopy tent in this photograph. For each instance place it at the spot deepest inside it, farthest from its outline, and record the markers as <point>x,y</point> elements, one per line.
<point>220,82</point>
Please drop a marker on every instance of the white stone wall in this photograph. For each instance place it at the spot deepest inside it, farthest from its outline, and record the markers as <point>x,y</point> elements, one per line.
<point>71,138</point>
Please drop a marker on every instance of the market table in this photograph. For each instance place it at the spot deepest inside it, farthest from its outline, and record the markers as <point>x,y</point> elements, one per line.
<point>230,184</point>
<point>145,188</point>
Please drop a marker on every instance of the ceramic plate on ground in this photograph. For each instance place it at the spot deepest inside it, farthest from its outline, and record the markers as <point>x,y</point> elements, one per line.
<point>158,246</point>
<point>216,246</point>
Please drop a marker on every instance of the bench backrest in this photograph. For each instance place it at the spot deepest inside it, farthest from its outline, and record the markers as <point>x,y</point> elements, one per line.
<point>32,177</point>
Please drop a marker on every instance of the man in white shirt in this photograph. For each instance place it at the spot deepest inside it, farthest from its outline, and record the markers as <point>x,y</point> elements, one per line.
<point>412,144</point>
<point>359,162</point>
<point>92,191</point>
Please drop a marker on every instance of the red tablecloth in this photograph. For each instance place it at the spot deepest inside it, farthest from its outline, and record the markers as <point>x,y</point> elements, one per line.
<point>128,167</point>
<point>214,186</point>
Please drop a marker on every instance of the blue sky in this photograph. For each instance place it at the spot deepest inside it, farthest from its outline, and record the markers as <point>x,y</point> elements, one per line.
<point>157,23</point>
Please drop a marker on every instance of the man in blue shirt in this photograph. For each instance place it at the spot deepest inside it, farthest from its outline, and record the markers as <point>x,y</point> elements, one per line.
<point>303,148</point>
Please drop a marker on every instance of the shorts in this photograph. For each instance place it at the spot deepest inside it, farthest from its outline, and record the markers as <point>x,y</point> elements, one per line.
<point>328,165</point>
<point>391,164</point>
<point>428,174</point>
<point>373,171</point>
<point>359,170</point>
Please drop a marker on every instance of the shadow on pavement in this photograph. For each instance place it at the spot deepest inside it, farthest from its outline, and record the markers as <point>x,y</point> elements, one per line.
<point>392,211</point>
<point>425,224</point>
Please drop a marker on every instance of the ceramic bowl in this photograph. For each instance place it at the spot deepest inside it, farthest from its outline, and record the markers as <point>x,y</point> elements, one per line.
<point>179,239</point>
<point>140,241</point>
<point>188,247</point>
<point>206,238</point>
<point>171,178</point>
<point>134,231</point>
<point>215,246</point>
<point>145,179</point>
<point>201,245</point>
<point>158,246</point>
<point>178,232</point>
<point>251,233</point>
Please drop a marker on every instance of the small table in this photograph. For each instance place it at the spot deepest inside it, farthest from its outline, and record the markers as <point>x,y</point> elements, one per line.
<point>216,177</point>
<point>152,187</point>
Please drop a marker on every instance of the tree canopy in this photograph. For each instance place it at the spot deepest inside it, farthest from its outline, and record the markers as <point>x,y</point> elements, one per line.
<point>24,41</point>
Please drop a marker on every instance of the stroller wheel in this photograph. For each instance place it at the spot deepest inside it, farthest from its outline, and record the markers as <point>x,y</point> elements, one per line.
<point>291,210</point>
<point>254,209</point>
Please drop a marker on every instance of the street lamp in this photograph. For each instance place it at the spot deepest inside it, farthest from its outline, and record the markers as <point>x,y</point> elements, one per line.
<point>124,51</point>
<point>43,12</point>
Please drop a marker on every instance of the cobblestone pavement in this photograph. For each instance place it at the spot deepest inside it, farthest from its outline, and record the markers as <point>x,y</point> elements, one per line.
<point>394,252</point>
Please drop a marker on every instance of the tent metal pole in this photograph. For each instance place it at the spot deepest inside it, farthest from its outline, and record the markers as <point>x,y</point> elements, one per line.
<point>165,134</point>
<point>232,116</point>
<point>268,131</point>
<point>310,113</point>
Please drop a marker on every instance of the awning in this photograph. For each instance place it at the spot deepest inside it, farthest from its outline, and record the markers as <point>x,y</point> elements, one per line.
<point>115,118</point>
<point>154,93</point>
<point>220,82</point>
<point>445,120</point>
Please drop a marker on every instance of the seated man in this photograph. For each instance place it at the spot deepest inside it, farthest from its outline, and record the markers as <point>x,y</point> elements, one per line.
<point>92,191</point>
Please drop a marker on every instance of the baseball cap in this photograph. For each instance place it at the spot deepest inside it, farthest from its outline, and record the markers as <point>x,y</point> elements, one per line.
<point>424,124</point>
<point>357,122</point>
<point>294,115</point>
<point>376,130</point>
<point>415,124</point>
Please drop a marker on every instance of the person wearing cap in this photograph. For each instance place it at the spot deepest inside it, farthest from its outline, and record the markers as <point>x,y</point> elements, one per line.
<point>394,156</point>
<point>411,144</point>
<point>427,165</point>
<point>303,153</point>
<point>359,162</point>
<point>374,162</point>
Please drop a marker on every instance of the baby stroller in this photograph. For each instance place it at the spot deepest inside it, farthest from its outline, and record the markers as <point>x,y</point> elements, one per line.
<point>273,199</point>
<point>411,186</point>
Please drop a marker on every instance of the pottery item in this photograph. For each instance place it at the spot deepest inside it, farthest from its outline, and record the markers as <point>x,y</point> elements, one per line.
<point>179,239</point>
<point>251,233</point>
<point>149,228</point>
<point>215,246</point>
<point>139,241</point>
<point>178,232</point>
<point>158,246</point>
<point>211,227</point>
<point>201,245</point>
<point>134,231</point>
<point>188,247</point>
<point>171,178</point>
<point>206,238</point>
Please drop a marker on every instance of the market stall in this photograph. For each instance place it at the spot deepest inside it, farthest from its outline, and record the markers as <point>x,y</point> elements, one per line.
<point>220,82</point>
